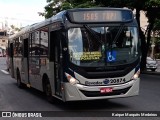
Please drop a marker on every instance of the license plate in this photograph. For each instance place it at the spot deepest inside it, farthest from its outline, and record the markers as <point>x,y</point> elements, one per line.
<point>106,90</point>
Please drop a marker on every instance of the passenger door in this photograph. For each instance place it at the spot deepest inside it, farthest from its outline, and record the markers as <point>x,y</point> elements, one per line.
<point>24,69</point>
<point>11,65</point>
<point>56,57</point>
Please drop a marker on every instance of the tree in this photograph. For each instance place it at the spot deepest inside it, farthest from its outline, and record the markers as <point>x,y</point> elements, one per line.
<point>55,6</point>
<point>156,34</point>
<point>156,28</point>
<point>152,8</point>
<point>139,5</point>
<point>82,3</point>
<point>14,29</point>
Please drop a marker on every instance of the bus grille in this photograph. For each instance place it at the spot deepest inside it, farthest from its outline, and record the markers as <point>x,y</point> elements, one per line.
<point>98,94</point>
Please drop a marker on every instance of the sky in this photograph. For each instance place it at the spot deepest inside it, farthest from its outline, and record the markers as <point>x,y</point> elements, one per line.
<point>23,12</point>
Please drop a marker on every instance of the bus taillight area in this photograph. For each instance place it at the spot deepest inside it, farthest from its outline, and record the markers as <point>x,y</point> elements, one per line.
<point>104,88</point>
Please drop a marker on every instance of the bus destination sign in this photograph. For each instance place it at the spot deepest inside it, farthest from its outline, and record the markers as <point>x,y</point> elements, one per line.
<point>100,16</point>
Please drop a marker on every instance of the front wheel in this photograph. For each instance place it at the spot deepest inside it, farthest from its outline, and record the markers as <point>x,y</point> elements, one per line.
<point>48,92</point>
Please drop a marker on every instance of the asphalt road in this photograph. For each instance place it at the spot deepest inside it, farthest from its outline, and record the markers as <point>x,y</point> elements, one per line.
<point>14,99</point>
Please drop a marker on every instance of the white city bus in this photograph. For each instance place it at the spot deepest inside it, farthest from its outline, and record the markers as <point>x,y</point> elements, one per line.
<point>79,54</point>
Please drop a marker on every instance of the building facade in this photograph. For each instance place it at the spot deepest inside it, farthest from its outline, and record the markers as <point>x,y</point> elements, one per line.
<point>3,42</point>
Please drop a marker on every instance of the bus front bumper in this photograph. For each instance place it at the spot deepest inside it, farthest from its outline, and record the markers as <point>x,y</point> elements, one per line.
<point>81,92</point>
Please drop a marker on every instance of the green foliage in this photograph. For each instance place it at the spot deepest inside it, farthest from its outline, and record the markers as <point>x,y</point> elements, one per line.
<point>48,1</point>
<point>66,5</point>
<point>14,28</point>
<point>113,3</point>
<point>48,11</point>
<point>55,6</point>
<point>81,3</point>
<point>157,25</point>
<point>152,3</point>
<point>157,56</point>
<point>87,4</point>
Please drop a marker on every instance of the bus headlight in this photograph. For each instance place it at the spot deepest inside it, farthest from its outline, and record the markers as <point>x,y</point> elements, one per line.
<point>136,75</point>
<point>71,79</point>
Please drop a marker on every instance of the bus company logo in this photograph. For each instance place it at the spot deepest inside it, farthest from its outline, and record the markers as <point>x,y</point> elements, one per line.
<point>106,81</point>
<point>93,83</point>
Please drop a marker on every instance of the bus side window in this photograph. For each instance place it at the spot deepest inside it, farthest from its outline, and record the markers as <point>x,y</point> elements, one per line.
<point>25,47</point>
<point>11,50</point>
<point>55,39</point>
<point>44,42</point>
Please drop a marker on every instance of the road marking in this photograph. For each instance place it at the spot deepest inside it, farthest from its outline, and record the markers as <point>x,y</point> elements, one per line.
<point>4,71</point>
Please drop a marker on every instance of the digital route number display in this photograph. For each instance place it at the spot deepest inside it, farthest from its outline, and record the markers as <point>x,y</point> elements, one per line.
<point>100,16</point>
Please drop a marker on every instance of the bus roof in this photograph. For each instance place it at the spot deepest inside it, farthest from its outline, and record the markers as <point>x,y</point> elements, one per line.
<point>77,12</point>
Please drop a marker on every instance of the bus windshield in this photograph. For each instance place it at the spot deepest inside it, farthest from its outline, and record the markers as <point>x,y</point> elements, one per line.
<point>100,46</point>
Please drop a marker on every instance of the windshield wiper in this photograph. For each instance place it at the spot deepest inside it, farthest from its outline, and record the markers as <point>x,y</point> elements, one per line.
<point>117,35</point>
<point>93,34</point>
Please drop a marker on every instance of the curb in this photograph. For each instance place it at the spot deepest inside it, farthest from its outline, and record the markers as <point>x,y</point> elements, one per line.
<point>150,73</point>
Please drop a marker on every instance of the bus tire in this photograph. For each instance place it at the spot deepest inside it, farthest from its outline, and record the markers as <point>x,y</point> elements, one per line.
<point>19,83</point>
<point>48,91</point>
